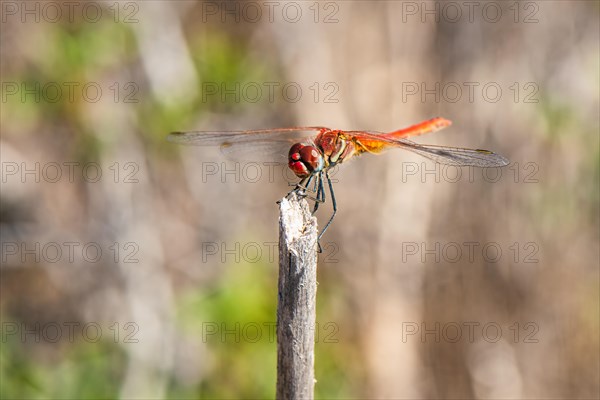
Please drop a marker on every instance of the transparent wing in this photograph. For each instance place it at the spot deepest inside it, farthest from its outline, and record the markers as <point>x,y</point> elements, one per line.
<point>258,150</point>
<point>457,156</point>
<point>252,145</point>
<point>220,138</point>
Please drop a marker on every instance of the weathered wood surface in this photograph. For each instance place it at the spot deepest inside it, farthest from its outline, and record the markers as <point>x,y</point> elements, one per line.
<point>296,312</point>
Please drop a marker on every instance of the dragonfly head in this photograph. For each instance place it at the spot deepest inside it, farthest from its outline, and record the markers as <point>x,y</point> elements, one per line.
<point>305,159</point>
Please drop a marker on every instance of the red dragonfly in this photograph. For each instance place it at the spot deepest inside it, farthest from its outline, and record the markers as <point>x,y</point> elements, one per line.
<point>313,151</point>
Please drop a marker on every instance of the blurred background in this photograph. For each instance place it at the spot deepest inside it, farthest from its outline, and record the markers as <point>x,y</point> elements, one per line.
<point>136,268</point>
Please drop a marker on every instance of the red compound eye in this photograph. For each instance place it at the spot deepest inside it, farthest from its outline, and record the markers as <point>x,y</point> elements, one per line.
<point>310,157</point>
<point>294,154</point>
<point>304,160</point>
<point>296,162</point>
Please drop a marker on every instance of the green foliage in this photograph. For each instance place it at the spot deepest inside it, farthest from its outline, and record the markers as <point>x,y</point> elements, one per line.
<point>80,370</point>
<point>236,321</point>
<point>220,65</point>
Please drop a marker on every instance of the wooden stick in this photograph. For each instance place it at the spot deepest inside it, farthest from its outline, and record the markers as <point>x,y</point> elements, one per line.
<point>296,312</point>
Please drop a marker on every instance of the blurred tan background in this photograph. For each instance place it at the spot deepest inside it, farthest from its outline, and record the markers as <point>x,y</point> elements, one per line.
<point>134,268</point>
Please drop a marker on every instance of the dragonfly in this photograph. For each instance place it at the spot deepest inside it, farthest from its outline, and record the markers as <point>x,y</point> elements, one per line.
<point>314,151</point>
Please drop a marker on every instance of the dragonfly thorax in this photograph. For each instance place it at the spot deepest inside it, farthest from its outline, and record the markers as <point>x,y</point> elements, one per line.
<point>335,147</point>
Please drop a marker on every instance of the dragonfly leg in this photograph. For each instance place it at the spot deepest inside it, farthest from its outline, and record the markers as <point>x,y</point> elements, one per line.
<point>320,192</point>
<point>301,187</point>
<point>304,185</point>
<point>315,187</point>
<point>332,202</point>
